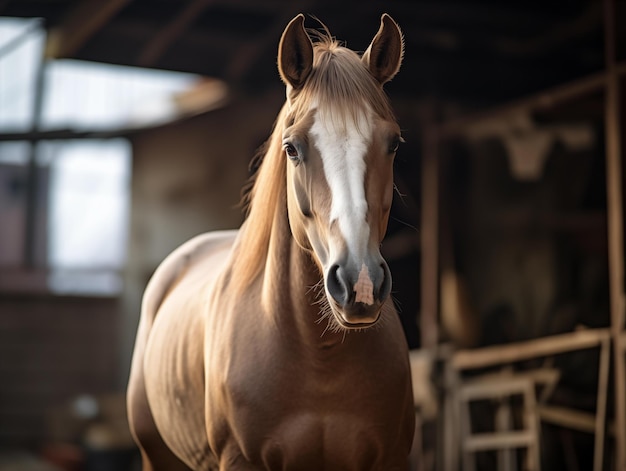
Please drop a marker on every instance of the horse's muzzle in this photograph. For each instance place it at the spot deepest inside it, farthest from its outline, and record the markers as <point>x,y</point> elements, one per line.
<point>358,294</point>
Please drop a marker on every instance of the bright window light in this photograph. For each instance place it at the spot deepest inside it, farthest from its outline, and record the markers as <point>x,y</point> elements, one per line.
<point>17,73</point>
<point>82,95</point>
<point>89,200</point>
<point>88,182</point>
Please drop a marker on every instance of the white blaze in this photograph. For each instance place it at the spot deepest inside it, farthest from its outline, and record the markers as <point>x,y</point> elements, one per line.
<point>343,151</point>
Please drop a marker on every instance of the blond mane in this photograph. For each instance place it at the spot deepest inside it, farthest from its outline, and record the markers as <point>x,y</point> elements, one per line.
<point>339,85</point>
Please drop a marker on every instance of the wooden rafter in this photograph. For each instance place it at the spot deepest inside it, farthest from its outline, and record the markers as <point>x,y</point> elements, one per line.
<point>543,100</point>
<point>153,51</point>
<point>79,25</point>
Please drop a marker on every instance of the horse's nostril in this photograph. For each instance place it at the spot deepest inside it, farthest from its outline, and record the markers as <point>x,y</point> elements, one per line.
<point>335,285</point>
<point>385,286</point>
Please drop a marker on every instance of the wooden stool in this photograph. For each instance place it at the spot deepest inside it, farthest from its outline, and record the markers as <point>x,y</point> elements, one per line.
<point>504,439</point>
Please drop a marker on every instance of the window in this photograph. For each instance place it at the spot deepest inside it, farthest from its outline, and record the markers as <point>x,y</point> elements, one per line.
<point>80,218</point>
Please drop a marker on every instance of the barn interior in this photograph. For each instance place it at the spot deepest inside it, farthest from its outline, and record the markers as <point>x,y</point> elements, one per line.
<point>505,239</point>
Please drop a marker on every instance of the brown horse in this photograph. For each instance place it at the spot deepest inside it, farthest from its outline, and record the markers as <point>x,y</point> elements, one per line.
<point>277,347</point>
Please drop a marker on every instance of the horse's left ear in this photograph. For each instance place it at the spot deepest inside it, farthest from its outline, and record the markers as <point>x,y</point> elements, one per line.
<point>384,55</point>
<point>295,53</point>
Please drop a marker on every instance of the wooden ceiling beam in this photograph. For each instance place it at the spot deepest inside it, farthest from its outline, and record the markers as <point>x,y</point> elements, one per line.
<point>153,51</point>
<point>79,25</point>
<point>540,101</point>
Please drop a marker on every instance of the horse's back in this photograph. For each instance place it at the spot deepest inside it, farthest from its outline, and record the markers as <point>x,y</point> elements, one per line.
<point>161,400</point>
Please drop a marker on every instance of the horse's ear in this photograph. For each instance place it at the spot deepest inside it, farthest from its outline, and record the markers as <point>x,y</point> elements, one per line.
<point>295,53</point>
<point>384,54</point>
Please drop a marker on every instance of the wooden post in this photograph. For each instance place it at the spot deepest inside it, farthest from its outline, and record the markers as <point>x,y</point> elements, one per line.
<point>429,240</point>
<point>601,395</point>
<point>615,229</point>
<point>32,185</point>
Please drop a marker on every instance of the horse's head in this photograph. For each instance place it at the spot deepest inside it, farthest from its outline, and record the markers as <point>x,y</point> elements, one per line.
<point>340,139</point>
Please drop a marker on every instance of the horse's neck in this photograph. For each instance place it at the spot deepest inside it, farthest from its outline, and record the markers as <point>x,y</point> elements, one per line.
<point>290,284</point>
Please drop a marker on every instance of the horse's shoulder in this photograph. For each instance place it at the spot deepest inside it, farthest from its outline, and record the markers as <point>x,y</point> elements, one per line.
<point>178,263</point>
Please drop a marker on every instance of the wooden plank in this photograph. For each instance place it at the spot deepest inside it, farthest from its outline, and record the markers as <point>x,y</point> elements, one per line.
<point>453,415</point>
<point>497,441</point>
<point>569,418</point>
<point>510,353</point>
<point>615,227</point>
<point>601,399</point>
<point>79,25</point>
<point>506,386</point>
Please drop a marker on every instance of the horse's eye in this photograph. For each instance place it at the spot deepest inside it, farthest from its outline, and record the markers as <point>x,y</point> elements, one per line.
<point>291,152</point>
<point>394,144</point>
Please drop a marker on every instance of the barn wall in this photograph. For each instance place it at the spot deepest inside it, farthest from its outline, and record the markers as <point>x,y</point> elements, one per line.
<point>187,179</point>
<point>52,349</point>
<point>533,252</point>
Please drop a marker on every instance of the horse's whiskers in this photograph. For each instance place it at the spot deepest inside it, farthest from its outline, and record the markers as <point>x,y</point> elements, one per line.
<point>327,327</point>
<point>316,287</point>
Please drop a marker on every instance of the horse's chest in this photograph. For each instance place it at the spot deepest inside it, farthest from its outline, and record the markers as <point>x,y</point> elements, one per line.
<point>309,440</point>
<point>293,415</point>
<point>289,437</point>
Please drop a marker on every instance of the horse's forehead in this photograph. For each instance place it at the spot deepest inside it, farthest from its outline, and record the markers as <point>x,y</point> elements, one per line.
<point>352,123</point>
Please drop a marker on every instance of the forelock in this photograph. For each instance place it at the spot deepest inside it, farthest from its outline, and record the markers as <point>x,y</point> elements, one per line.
<point>340,87</point>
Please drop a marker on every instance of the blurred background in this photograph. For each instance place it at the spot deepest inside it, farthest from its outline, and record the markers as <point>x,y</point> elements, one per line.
<point>127,127</point>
